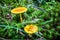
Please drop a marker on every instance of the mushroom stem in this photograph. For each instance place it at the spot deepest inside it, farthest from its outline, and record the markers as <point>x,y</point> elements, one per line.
<point>20,18</point>
<point>30,35</point>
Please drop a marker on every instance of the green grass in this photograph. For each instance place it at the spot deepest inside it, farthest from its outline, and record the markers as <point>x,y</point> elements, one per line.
<point>47,20</point>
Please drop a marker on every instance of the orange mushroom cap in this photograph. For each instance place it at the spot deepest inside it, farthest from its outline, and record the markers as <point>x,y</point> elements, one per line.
<point>19,10</point>
<point>31,29</point>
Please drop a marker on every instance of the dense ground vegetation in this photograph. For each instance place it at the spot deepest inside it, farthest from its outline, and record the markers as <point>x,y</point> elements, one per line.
<point>43,13</point>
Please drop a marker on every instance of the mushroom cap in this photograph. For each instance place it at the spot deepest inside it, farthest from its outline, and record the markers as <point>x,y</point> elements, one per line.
<point>19,10</point>
<point>31,29</point>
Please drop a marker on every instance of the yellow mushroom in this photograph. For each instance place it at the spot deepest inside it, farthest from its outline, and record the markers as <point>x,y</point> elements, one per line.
<point>31,29</point>
<point>19,10</point>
